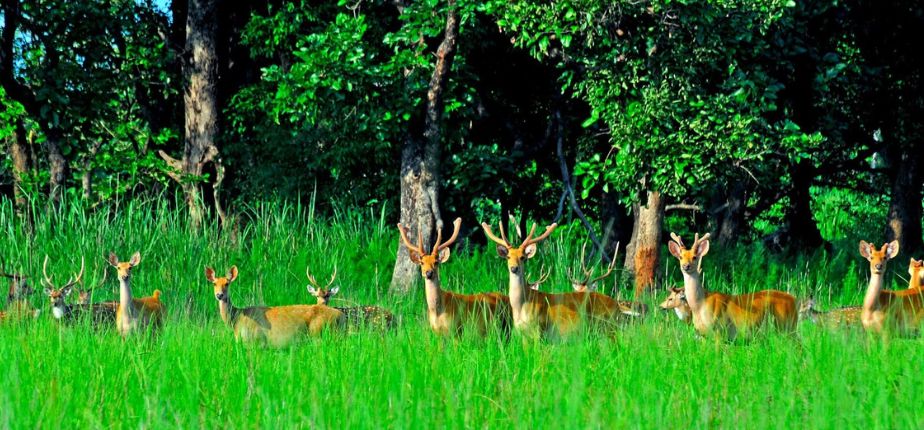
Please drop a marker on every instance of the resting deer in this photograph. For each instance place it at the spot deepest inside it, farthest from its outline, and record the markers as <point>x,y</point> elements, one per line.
<point>543,276</point>
<point>18,306</point>
<point>677,302</point>
<point>61,311</point>
<point>356,316</point>
<point>915,273</point>
<point>448,312</point>
<point>840,317</point>
<point>277,326</point>
<point>725,313</point>
<point>134,314</point>
<point>901,310</point>
<point>588,283</point>
<point>536,313</point>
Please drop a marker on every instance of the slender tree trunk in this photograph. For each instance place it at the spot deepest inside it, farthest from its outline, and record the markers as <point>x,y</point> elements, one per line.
<point>420,161</point>
<point>904,219</point>
<point>642,256</point>
<point>728,213</point>
<point>201,100</point>
<point>617,223</point>
<point>59,167</point>
<point>86,180</point>
<point>803,230</point>
<point>22,167</point>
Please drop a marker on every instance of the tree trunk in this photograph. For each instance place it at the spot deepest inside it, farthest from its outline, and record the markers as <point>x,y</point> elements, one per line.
<point>802,229</point>
<point>22,167</point>
<point>420,161</point>
<point>728,214</point>
<point>642,253</point>
<point>904,220</point>
<point>200,98</point>
<point>59,168</point>
<point>617,223</point>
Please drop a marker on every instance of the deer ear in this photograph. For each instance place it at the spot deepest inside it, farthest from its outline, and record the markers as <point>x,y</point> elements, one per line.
<point>48,291</point>
<point>502,251</point>
<point>702,248</point>
<point>674,248</point>
<point>892,249</point>
<point>444,255</point>
<point>864,249</point>
<point>414,256</point>
<point>136,258</point>
<point>232,274</point>
<point>67,290</point>
<point>530,250</point>
<point>313,291</point>
<point>210,274</point>
<point>592,287</point>
<point>113,259</point>
<point>335,290</point>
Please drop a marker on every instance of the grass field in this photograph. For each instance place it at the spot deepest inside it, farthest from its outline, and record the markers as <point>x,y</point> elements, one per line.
<point>655,374</point>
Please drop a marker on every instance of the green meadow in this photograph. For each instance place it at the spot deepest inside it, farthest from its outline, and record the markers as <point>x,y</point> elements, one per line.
<point>653,374</point>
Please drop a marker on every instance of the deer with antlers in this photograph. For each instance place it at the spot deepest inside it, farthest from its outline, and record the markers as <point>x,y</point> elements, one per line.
<point>18,306</point>
<point>543,314</point>
<point>356,317</point>
<point>725,313</point>
<point>101,313</point>
<point>589,282</point>
<point>277,326</point>
<point>448,312</point>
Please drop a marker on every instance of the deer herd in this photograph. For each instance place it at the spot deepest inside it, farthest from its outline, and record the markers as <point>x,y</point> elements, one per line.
<point>525,309</point>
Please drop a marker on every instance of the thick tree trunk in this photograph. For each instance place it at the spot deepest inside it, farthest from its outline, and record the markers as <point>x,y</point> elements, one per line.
<point>904,219</point>
<point>22,167</point>
<point>420,161</point>
<point>201,101</point>
<point>802,229</point>
<point>617,223</point>
<point>642,256</point>
<point>728,213</point>
<point>59,167</point>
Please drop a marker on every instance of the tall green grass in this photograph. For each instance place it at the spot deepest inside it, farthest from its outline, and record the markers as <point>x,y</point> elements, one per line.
<point>656,374</point>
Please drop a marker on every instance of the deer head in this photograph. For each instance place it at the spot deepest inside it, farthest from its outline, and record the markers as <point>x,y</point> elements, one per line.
<point>221,284</point>
<point>124,269</point>
<point>543,276</point>
<point>324,293</point>
<point>916,271</point>
<point>692,257</point>
<point>588,282</point>
<point>58,295</point>
<point>807,309</point>
<point>439,254</point>
<point>878,258</point>
<point>674,300</point>
<point>516,256</point>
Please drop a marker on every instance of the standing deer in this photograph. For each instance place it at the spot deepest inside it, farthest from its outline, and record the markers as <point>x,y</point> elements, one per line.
<point>134,314</point>
<point>915,273</point>
<point>356,316</point>
<point>101,313</point>
<point>18,306</point>
<point>448,312</point>
<point>900,310</point>
<point>536,313</point>
<point>277,326</point>
<point>725,313</point>
<point>588,283</point>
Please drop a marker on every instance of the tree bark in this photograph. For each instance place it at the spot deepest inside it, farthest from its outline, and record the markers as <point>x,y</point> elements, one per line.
<point>22,167</point>
<point>420,161</point>
<point>728,214</point>
<point>802,229</point>
<point>642,256</point>
<point>904,219</point>
<point>201,101</point>
<point>59,167</point>
<point>617,223</point>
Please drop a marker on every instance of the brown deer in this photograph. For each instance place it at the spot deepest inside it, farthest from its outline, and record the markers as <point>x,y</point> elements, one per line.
<point>677,301</point>
<point>834,318</point>
<point>19,308</point>
<point>63,312</point>
<point>915,273</point>
<point>900,310</point>
<point>589,282</point>
<point>135,314</point>
<point>277,326</point>
<point>357,317</point>
<point>448,312</point>
<point>542,314</point>
<point>728,314</point>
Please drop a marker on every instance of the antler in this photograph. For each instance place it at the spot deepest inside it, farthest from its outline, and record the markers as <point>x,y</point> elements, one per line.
<point>529,238</point>
<point>314,282</point>
<point>79,275</point>
<point>456,225</point>
<point>677,239</point>
<point>543,276</point>
<point>609,269</point>
<point>407,243</point>
<point>490,234</point>
<point>587,273</point>
<point>47,279</point>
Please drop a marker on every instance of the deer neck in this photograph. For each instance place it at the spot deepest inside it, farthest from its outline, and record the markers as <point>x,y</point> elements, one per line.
<point>518,292</point>
<point>434,294</point>
<point>871,299</point>
<point>125,297</point>
<point>227,311</point>
<point>915,281</point>
<point>693,290</point>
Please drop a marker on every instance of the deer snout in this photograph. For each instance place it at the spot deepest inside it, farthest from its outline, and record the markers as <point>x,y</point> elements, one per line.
<point>686,267</point>
<point>429,274</point>
<point>515,270</point>
<point>221,296</point>
<point>878,267</point>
